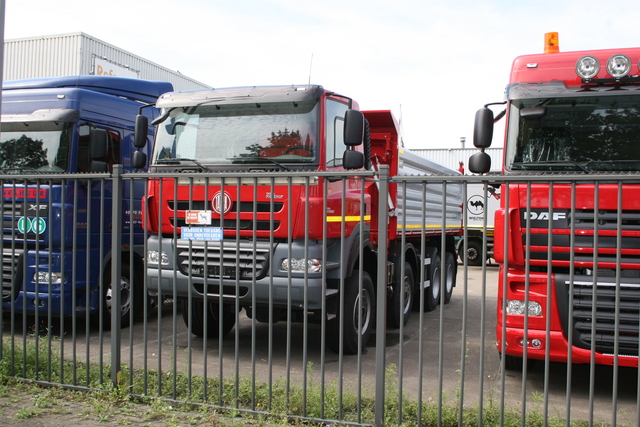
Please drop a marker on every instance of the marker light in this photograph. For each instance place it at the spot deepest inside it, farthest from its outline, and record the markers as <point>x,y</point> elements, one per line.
<point>618,66</point>
<point>587,67</point>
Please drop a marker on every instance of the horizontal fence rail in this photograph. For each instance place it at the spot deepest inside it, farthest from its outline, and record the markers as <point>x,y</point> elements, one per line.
<point>354,298</point>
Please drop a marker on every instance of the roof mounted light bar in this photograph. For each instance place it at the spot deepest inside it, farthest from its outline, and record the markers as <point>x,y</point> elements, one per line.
<point>618,67</point>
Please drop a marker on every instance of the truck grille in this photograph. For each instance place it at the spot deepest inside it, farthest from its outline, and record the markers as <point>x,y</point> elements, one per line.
<point>11,273</point>
<point>230,223</point>
<point>239,259</point>
<point>605,314</point>
<point>584,220</point>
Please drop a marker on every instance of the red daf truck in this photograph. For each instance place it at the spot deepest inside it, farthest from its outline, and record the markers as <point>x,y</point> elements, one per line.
<point>281,249</point>
<point>576,114</point>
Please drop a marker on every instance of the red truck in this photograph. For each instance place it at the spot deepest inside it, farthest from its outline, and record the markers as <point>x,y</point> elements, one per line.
<point>284,248</point>
<point>568,251</point>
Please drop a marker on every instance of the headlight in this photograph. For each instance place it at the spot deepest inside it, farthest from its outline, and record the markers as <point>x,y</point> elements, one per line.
<point>618,66</point>
<point>588,67</point>
<point>518,307</point>
<point>46,277</point>
<point>155,257</point>
<point>300,265</point>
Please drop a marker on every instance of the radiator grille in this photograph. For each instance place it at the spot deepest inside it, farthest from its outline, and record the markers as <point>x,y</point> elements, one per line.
<point>231,259</point>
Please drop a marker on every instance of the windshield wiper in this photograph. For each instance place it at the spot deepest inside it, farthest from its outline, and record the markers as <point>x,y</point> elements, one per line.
<point>268,159</point>
<point>523,165</point>
<point>180,160</point>
<point>17,171</point>
<point>614,165</point>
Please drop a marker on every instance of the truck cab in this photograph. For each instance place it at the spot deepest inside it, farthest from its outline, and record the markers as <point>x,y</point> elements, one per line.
<point>56,216</point>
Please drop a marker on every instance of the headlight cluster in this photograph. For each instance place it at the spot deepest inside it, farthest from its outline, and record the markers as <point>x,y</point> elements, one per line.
<point>300,265</point>
<point>155,257</point>
<point>46,277</point>
<point>518,307</point>
<point>618,66</point>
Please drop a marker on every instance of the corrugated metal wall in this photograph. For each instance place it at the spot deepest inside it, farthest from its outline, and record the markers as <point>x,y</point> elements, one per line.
<point>49,56</point>
<point>74,53</point>
<point>451,157</point>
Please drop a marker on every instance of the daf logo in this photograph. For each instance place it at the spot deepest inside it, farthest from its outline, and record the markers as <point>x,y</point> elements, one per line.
<point>544,216</point>
<point>221,203</point>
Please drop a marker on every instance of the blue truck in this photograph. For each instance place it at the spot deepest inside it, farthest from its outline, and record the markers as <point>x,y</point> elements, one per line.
<point>57,240</point>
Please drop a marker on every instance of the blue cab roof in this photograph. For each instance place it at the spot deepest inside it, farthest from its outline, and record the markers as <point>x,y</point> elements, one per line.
<point>146,91</point>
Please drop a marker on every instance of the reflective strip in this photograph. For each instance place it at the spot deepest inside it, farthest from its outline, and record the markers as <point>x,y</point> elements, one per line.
<point>436,226</point>
<point>353,218</point>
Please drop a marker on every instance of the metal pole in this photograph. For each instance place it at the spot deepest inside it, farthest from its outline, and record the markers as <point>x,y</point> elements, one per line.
<point>381,293</point>
<point>116,268</point>
<point>2,9</point>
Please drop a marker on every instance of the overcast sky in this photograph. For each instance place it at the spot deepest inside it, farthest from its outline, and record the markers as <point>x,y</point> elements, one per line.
<point>432,63</point>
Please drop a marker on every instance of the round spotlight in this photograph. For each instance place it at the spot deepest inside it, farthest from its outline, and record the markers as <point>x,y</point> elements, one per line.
<point>588,67</point>
<point>618,66</point>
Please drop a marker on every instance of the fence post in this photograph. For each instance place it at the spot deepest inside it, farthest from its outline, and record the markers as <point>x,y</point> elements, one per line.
<point>381,292</point>
<point>116,268</point>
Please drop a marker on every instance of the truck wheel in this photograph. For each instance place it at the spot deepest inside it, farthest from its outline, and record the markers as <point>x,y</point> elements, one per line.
<point>432,296</point>
<point>450,276</point>
<point>474,253</point>
<point>404,286</point>
<point>212,318</point>
<point>130,298</point>
<point>352,328</point>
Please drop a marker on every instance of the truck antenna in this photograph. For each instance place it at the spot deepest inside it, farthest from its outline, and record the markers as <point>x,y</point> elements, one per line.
<point>310,67</point>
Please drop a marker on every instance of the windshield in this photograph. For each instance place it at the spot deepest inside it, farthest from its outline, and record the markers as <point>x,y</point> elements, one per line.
<point>273,133</point>
<point>34,147</point>
<point>585,133</point>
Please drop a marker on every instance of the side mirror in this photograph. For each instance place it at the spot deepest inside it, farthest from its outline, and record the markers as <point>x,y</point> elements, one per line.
<point>352,159</point>
<point>483,128</point>
<point>139,160</point>
<point>353,128</point>
<point>480,163</point>
<point>141,129</point>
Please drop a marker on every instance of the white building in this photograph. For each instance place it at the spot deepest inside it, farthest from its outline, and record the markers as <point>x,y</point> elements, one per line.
<point>451,157</point>
<point>80,54</point>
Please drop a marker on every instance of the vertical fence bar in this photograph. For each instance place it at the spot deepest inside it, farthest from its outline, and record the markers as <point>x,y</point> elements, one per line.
<point>463,332</point>
<point>572,255</point>
<point>503,344</point>
<point>547,353</point>
<point>616,339</point>
<point>594,299</point>
<point>116,266</point>
<point>381,293</point>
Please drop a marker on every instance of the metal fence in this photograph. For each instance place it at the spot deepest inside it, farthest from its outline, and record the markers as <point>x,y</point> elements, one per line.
<point>443,367</point>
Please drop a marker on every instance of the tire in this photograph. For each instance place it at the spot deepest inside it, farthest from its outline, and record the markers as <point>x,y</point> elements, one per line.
<point>451,271</point>
<point>351,331</point>
<point>130,299</point>
<point>432,295</point>
<point>404,285</point>
<point>198,318</point>
<point>474,253</point>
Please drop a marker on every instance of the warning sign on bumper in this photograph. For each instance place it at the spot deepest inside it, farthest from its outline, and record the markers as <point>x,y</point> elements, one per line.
<point>202,233</point>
